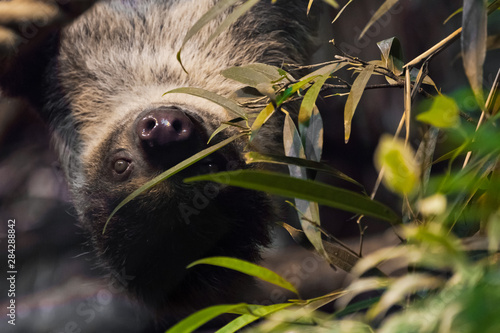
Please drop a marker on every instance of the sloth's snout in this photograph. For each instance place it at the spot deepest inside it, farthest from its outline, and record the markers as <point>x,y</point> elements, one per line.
<point>165,127</point>
<point>167,135</point>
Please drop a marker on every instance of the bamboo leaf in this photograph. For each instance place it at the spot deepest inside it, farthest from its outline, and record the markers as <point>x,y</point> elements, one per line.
<point>169,173</point>
<point>215,11</point>
<point>443,113</point>
<point>257,312</point>
<point>341,11</point>
<point>291,187</point>
<point>392,55</point>
<point>357,89</point>
<point>378,14</point>
<point>231,18</point>
<point>254,157</point>
<point>226,103</point>
<point>197,319</point>
<point>247,268</point>
<point>261,119</point>
<point>473,40</point>
<point>401,172</point>
<point>294,148</point>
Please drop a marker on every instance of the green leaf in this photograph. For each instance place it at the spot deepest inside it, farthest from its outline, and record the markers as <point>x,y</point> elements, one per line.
<point>226,103</point>
<point>169,173</point>
<point>392,55</point>
<point>401,172</point>
<point>291,187</point>
<point>357,89</point>
<point>215,11</point>
<point>249,269</point>
<point>378,14</point>
<point>261,119</point>
<point>444,113</point>
<point>254,157</point>
<point>257,312</point>
<point>201,317</point>
<point>473,41</point>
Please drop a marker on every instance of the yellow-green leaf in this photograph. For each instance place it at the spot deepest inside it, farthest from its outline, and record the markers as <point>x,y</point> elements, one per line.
<point>249,269</point>
<point>443,113</point>
<point>401,172</point>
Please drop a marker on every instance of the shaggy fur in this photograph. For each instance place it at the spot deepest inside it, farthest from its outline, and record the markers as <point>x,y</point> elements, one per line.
<point>95,77</point>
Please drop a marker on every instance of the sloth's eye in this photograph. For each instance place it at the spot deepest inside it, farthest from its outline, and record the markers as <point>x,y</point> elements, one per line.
<point>120,166</point>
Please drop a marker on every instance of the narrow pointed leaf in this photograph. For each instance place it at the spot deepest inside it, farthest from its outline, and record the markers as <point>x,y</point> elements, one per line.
<point>341,11</point>
<point>258,312</point>
<point>286,186</point>
<point>169,173</point>
<point>232,17</point>
<point>254,157</point>
<point>294,148</point>
<point>261,119</point>
<point>249,269</point>
<point>215,11</point>
<point>226,103</point>
<point>473,40</point>
<point>357,89</point>
<point>197,319</point>
<point>378,14</point>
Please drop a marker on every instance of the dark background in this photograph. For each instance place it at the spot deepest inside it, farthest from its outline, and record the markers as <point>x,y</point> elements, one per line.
<point>58,289</point>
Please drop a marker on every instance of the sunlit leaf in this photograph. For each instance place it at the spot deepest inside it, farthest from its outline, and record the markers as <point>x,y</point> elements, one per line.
<point>261,119</point>
<point>203,316</point>
<point>357,89</point>
<point>443,113</point>
<point>249,269</point>
<point>473,40</point>
<point>493,228</point>
<point>401,172</point>
<point>226,103</point>
<point>401,288</point>
<point>432,205</point>
<point>310,121</point>
<point>341,11</point>
<point>291,187</point>
<point>257,312</point>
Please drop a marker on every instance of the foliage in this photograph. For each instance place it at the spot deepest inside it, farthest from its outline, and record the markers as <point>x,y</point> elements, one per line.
<point>451,229</point>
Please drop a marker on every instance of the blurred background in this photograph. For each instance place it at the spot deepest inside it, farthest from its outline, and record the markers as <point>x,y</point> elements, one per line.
<point>59,290</point>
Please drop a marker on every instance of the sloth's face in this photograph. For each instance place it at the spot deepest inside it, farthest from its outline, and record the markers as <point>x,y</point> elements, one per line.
<point>154,237</point>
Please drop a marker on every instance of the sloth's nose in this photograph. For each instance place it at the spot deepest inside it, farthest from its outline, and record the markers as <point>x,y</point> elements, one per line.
<point>164,127</point>
<point>167,134</point>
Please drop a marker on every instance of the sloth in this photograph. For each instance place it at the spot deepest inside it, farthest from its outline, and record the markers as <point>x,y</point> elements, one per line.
<point>96,73</point>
